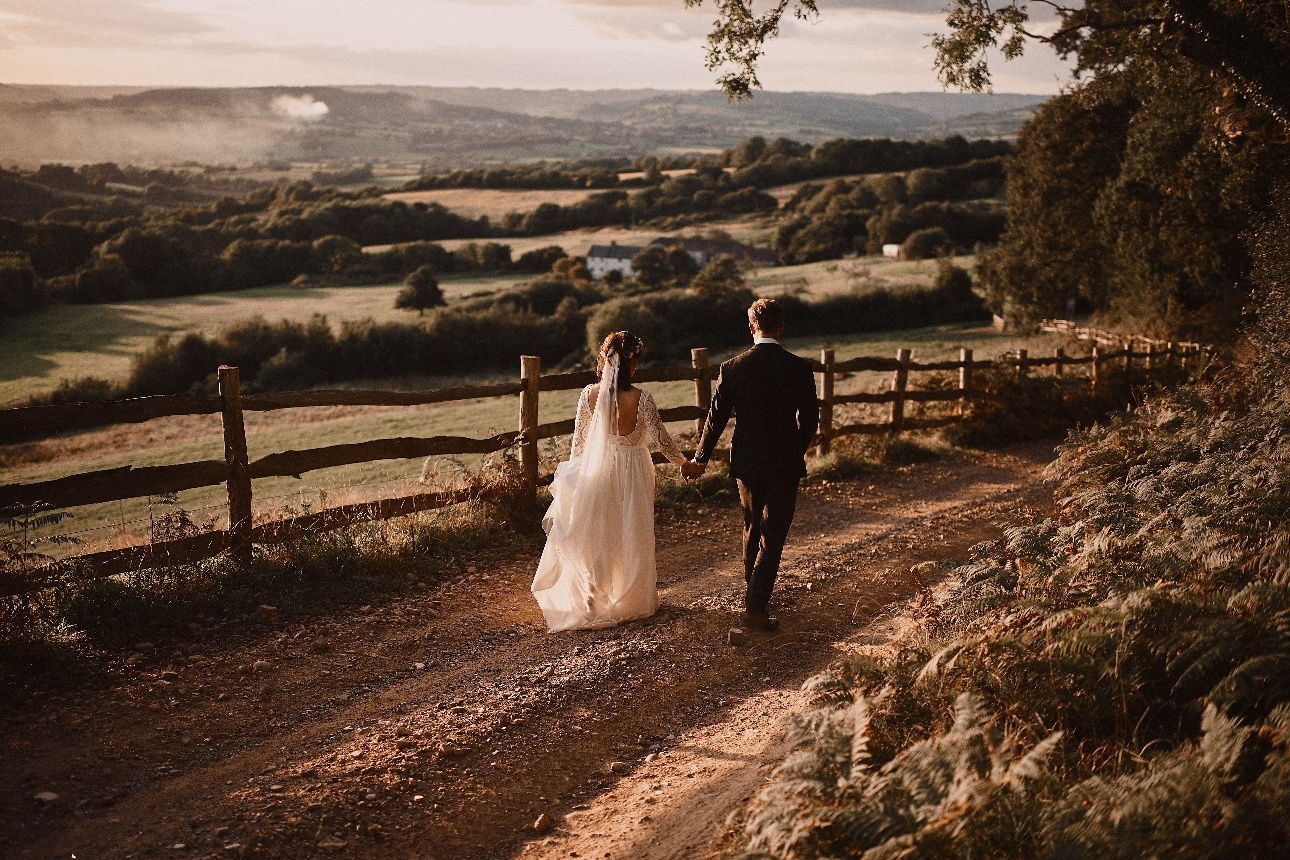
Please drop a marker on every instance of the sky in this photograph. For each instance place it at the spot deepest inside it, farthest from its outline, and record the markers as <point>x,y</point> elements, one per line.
<point>859,46</point>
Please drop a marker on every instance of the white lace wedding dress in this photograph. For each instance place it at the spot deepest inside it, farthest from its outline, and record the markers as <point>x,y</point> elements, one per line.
<point>597,569</point>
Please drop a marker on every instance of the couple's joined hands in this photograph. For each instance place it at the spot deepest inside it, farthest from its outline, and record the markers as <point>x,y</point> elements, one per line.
<point>691,470</point>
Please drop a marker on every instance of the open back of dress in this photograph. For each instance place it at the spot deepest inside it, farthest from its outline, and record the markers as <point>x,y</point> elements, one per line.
<point>598,567</point>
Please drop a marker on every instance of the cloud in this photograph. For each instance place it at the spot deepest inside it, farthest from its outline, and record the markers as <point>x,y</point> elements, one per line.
<point>95,22</point>
<point>918,7</point>
<point>670,20</point>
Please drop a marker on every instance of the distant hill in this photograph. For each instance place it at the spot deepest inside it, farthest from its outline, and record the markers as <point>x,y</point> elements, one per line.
<point>455,126</point>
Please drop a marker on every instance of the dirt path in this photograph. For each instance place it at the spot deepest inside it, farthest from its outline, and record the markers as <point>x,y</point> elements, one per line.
<point>444,722</point>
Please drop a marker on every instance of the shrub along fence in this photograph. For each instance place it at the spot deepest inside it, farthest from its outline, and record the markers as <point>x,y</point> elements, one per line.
<point>237,471</point>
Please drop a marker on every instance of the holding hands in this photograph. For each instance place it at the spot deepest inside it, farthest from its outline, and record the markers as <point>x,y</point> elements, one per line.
<point>691,470</point>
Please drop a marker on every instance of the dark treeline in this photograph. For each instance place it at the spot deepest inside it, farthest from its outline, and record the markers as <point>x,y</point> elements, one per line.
<point>705,193</point>
<point>583,173</point>
<point>761,164</point>
<point>754,163</point>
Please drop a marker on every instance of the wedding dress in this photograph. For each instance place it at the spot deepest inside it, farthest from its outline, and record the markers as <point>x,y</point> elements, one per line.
<point>597,569</point>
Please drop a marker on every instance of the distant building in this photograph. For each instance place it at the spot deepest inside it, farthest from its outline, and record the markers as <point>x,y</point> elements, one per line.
<point>602,258</point>
<point>705,250</point>
<point>891,251</point>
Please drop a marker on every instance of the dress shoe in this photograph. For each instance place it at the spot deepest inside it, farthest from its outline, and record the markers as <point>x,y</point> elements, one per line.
<point>760,621</point>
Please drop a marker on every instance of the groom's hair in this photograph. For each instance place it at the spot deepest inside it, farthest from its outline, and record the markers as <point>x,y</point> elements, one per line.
<point>766,315</point>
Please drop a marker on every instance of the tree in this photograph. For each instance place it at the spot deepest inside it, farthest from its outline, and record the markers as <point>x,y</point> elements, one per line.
<point>335,254</point>
<point>1139,188</point>
<point>539,260</point>
<point>1243,41</point>
<point>651,267</point>
<point>718,275</point>
<point>682,266</point>
<point>572,268</point>
<point>926,243</point>
<point>420,291</point>
<point>19,287</point>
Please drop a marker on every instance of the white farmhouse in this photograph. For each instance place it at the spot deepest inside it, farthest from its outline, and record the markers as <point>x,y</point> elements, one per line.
<point>891,251</point>
<point>602,258</point>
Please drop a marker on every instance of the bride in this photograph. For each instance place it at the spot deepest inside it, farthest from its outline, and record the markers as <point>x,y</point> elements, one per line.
<point>597,569</point>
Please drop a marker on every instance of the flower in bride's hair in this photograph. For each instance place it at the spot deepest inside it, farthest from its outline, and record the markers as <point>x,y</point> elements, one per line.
<point>624,345</point>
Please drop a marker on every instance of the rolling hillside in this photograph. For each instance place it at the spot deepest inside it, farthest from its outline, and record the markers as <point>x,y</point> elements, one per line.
<point>448,127</point>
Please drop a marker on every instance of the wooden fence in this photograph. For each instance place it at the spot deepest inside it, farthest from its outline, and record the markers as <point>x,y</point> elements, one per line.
<point>237,471</point>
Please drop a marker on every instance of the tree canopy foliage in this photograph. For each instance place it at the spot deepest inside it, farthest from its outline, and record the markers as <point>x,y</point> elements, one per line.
<point>1137,189</point>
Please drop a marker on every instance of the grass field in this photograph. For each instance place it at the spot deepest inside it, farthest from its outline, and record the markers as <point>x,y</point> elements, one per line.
<point>493,202</point>
<point>70,341</point>
<point>830,277</point>
<point>184,439</point>
<point>752,231</point>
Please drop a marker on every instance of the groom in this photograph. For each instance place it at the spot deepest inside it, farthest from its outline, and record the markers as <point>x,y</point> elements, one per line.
<point>771,393</point>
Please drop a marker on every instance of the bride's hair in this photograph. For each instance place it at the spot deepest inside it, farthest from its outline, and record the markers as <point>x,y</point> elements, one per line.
<point>626,346</point>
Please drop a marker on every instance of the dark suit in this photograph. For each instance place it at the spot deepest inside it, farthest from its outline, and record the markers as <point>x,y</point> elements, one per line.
<point>771,394</point>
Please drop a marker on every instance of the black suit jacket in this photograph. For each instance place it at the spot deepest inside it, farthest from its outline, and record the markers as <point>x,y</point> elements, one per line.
<point>771,394</point>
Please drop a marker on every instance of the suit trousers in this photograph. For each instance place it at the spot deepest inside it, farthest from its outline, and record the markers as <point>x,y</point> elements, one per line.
<point>769,504</point>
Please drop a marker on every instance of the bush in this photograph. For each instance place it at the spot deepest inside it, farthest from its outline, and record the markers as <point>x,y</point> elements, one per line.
<point>539,260</point>
<point>927,243</point>
<point>84,389</point>
<point>405,258</point>
<point>485,257</point>
<point>287,355</point>
<point>19,286</point>
<point>544,296</point>
<point>671,322</point>
<point>717,276</point>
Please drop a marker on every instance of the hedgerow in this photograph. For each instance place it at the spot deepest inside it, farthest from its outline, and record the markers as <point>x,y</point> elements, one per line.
<point>1109,681</point>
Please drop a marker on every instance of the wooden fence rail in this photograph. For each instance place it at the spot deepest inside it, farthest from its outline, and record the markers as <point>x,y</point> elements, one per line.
<point>237,471</point>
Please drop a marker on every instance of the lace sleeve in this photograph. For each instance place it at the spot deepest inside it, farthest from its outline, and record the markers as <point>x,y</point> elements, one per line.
<point>581,422</point>
<point>658,435</point>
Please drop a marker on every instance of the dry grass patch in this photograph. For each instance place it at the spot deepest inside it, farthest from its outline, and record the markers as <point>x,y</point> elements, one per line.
<point>493,202</point>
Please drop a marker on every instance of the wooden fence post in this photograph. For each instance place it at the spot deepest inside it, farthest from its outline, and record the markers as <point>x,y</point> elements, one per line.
<point>1151,357</point>
<point>235,455</point>
<point>826,401</point>
<point>1022,356</point>
<point>530,378</point>
<point>965,379</point>
<point>1095,369</point>
<point>1170,353</point>
<point>702,387</point>
<point>899,382</point>
<point>1059,361</point>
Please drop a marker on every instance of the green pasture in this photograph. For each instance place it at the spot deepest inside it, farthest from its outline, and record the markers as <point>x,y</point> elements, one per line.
<point>196,438</point>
